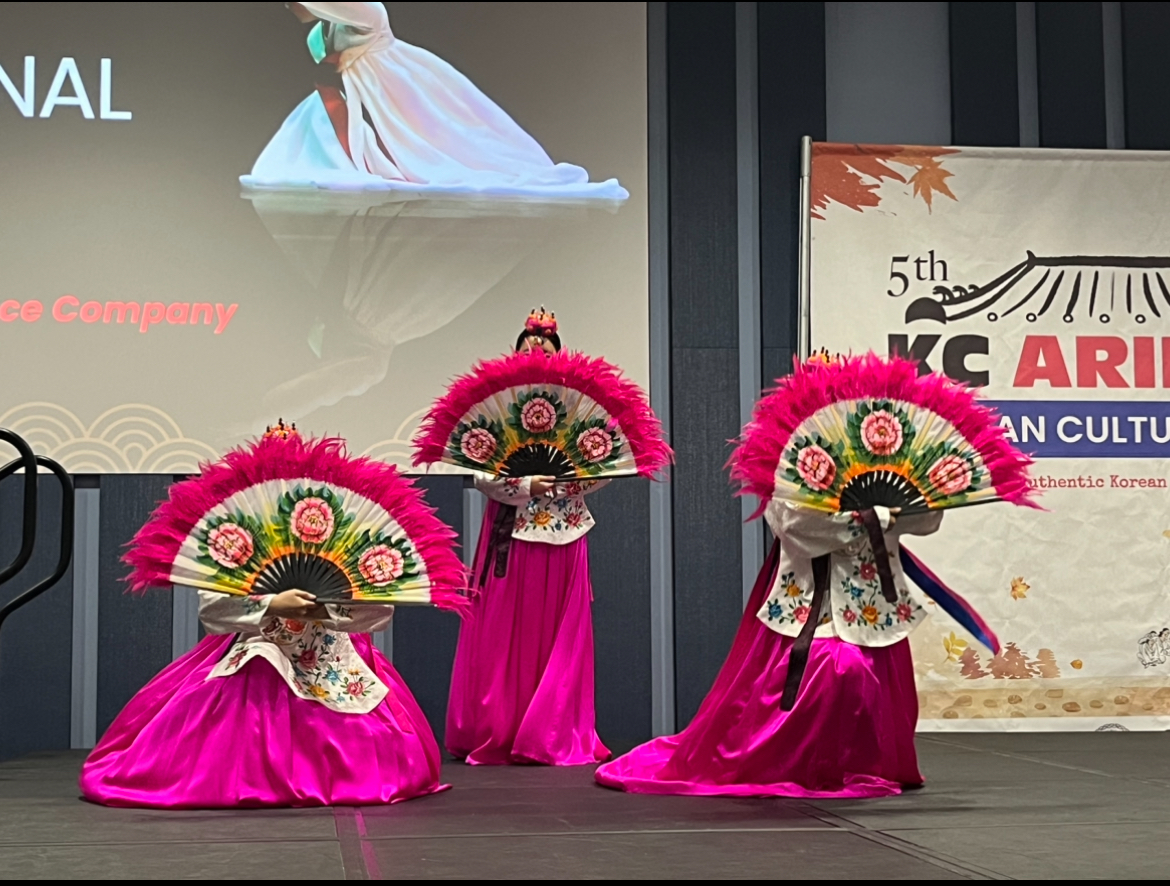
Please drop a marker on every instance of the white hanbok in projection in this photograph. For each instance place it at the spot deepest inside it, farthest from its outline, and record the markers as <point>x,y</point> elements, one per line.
<point>406,121</point>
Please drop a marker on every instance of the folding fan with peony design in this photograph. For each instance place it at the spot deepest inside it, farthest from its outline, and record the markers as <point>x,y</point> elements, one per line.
<point>563,415</point>
<point>863,431</point>
<point>287,512</point>
<point>852,433</point>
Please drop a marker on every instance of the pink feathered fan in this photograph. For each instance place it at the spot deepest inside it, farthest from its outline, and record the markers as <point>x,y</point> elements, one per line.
<point>563,415</point>
<point>287,513</point>
<point>862,431</point>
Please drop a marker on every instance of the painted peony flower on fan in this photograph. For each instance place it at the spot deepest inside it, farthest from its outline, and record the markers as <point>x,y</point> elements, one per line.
<point>950,475</point>
<point>595,444</point>
<point>881,432</point>
<point>538,416</point>
<point>381,565</point>
<point>230,545</point>
<point>478,445</point>
<point>406,121</point>
<point>312,521</point>
<point>816,468</point>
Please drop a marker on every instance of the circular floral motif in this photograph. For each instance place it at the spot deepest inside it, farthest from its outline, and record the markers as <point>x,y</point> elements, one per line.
<point>870,614</point>
<point>881,433</point>
<point>850,616</point>
<point>951,474</point>
<point>542,518</point>
<point>793,590</point>
<point>904,612</point>
<point>868,571</point>
<point>380,565</point>
<point>801,613</point>
<point>538,416</point>
<point>312,521</point>
<point>308,658</point>
<point>355,687</point>
<point>478,444</point>
<point>230,545</point>
<point>816,468</point>
<point>595,444</point>
<point>293,626</point>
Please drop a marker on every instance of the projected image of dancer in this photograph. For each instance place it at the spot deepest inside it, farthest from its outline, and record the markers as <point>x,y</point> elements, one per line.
<point>522,686</point>
<point>407,120</point>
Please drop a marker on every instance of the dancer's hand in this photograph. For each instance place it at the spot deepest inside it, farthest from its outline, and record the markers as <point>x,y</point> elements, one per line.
<point>894,512</point>
<point>542,486</point>
<point>296,604</point>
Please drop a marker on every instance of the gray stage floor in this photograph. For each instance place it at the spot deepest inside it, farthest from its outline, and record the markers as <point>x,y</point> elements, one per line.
<point>1046,805</point>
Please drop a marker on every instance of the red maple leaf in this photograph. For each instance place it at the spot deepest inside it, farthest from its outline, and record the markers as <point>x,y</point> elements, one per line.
<point>852,174</point>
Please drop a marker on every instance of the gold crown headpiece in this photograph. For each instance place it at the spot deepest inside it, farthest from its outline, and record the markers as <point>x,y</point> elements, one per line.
<point>541,322</point>
<point>281,431</point>
<point>824,358</point>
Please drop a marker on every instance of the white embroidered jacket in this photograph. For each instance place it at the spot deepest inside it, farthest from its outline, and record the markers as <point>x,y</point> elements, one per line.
<point>316,658</point>
<point>555,519</point>
<point>854,608</point>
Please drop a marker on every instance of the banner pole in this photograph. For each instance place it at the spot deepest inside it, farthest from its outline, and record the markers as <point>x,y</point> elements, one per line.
<point>804,333</point>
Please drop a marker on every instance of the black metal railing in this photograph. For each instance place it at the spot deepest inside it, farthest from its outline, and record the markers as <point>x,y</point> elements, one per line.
<point>30,462</point>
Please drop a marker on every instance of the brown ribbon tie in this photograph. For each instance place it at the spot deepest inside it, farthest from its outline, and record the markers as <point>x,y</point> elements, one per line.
<point>798,655</point>
<point>881,554</point>
<point>499,544</point>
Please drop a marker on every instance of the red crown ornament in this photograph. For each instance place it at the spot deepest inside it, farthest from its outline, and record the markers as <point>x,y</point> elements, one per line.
<point>282,431</point>
<point>541,323</point>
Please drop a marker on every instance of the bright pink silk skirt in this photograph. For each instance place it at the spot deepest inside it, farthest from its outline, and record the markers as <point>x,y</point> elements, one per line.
<point>522,685</point>
<point>850,733</point>
<point>185,742</point>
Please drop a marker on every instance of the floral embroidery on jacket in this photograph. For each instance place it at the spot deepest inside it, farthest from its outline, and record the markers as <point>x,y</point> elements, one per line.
<point>856,610</point>
<point>557,520</point>
<point>325,666</point>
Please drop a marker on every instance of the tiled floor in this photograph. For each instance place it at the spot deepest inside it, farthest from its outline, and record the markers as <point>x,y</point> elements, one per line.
<point>1044,805</point>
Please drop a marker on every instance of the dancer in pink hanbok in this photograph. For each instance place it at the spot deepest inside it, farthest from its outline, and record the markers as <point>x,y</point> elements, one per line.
<point>817,697</point>
<point>283,704</point>
<point>522,685</point>
<point>850,732</point>
<point>286,702</point>
<point>406,121</point>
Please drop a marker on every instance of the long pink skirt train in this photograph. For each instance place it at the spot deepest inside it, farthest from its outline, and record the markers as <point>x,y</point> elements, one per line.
<point>186,742</point>
<point>522,686</point>
<point>850,733</point>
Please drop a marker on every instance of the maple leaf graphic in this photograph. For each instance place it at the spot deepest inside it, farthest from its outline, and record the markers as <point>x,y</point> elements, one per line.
<point>852,175</point>
<point>929,178</point>
<point>1020,588</point>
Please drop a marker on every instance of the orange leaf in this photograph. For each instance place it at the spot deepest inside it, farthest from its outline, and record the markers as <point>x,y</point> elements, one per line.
<point>929,178</point>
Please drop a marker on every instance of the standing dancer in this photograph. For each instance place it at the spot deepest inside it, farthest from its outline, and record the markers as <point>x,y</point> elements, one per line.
<point>817,696</point>
<point>522,685</point>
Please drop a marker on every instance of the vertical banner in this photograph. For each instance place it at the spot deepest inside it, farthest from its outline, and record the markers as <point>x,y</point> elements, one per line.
<point>1043,277</point>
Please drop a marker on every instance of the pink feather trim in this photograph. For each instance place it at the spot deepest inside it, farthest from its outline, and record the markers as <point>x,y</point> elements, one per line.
<point>812,386</point>
<point>621,398</point>
<point>154,548</point>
